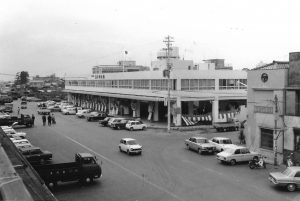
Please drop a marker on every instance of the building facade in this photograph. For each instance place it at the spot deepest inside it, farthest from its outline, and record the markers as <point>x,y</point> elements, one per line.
<point>273,109</point>
<point>195,95</point>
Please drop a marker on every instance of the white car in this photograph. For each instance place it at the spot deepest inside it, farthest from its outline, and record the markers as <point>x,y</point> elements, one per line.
<point>237,154</point>
<point>69,110</point>
<point>22,143</point>
<point>221,143</point>
<point>130,145</point>
<point>10,132</point>
<point>135,125</point>
<point>200,144</point>
<point>82,113</point>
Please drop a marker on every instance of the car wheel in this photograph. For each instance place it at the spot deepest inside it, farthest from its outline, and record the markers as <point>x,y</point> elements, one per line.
<point>128,152</point>
<point>199,151</point>
<point>187,147</point>
<point>119,128</point>
<point>144,128</point>
<point>88,119</point>
<point>232,162</point>
<point>291,187</point>
<point>131,129</point>
<point>120,149</point>
<point>255,158</point>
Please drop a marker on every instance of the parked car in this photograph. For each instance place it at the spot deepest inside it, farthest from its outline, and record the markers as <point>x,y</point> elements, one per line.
<point>10,132</point>
<point>119,123</point>
<point>23,143</point>
<point>135,125</point>
<point>82,113</point>
<point>237,154</point>
<point>221,143</point>
<point>43,111</point>
<point>130,146</point>
<point>54,108</point>
<point>200,144</point>
<point>35,154</point>
<point>95,116</point>
<point>105,121</point>
<point>69,110</point>
<point>289,178</point>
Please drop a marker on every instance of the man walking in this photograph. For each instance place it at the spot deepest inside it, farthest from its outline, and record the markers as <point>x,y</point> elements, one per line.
<point>49,120</point>
<point>44,120</point>
<point>33,118</point>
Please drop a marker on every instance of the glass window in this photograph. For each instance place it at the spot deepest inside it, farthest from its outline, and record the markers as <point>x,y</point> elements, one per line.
<point>266,138</point>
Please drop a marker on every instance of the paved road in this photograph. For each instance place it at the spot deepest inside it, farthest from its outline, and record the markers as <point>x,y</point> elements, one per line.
<point>165,171</point>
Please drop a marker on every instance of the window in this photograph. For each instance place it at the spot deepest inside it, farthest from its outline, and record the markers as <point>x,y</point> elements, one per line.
<point>238,151</point>
<point>266,138</point>
<point>297,174</point>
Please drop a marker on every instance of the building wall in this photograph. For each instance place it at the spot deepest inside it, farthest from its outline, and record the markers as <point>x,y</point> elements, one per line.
<point>176,64</point>
<point>261,108</point>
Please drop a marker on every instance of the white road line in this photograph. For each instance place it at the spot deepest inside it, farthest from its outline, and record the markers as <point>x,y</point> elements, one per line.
<point>127,170</point>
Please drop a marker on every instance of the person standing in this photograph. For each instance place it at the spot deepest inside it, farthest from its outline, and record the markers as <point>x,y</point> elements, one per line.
<point>53,119</point>
<point>18,110</point>
<point>49,120</point>
<point>33,118</point>
<point>44,120</point>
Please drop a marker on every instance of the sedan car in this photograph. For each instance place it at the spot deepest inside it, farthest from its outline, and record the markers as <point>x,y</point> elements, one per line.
<point>200,144</point>
<point>289,178</point>
<point>10,132</point>
<point>23,143</point>
<point>83,113</point>
<point>69,110</point>
<point>130,146</point>
<point>135,125</point>
<point>105,121</point>
<point>43,111</point>
<point>237,154</point>
<point>95,116</point>
<point>221,143</point>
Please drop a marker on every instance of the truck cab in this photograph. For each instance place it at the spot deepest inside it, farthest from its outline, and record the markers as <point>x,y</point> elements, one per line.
<point>85,158</point>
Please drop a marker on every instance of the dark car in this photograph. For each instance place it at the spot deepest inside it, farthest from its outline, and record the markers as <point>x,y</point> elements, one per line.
<point>119,123</point>
<point>95,116</point>
<point>36,155</point>
<point>104,122</point>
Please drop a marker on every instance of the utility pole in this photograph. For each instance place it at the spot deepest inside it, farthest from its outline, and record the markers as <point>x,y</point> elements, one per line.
<point>168,41</point>
<point>275,130</point>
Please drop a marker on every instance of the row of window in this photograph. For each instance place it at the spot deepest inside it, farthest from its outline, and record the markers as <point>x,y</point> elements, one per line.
<point>160,84</point>
<point>197,84</point>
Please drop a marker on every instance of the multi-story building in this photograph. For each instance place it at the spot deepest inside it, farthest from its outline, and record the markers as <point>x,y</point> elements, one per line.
<point>273,109</point>
<point>196,95</point>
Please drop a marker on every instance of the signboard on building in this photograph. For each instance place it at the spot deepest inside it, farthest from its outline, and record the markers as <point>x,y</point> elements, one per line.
<point>263,109</point>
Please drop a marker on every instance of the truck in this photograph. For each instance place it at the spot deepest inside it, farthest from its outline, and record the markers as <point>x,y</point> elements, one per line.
<point>231,125</point>
<point>85,169</point>
<point>19,120</point>
<point>35,154</point>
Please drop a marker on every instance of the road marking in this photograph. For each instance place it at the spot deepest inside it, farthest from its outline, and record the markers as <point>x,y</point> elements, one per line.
<point>127,170</point>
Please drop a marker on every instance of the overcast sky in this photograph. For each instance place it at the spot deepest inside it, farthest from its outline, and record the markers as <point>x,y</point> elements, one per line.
<point>70,36</point>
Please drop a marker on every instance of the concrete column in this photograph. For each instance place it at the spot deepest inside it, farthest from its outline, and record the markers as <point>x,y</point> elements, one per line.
<point>215,109</point>
<point>178,115</point>
<point>156,113</point>
<point>69,97</point>
<point>217,84</point>
<point>191,108</point>
<point>109,102</point>
<point>138,109</point>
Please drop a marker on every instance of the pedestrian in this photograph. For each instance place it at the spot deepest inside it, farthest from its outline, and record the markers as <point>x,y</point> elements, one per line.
<point>44,120</point>
<point>53,119</point>
<point>18,110</point>
<point>33,118</point>
<point>49,120</point>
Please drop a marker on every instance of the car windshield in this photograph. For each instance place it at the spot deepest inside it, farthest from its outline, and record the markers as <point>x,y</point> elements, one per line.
<point>228,141</point>
<point>202,141</point>
<point>229,151</point>
<point>287,172</point>
<point>131,142</point>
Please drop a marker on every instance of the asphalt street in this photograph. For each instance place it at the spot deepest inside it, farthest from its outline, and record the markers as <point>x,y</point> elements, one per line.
<point>166,171</point>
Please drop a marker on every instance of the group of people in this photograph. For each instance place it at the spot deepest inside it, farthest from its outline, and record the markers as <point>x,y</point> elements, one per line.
<point>50,118</point>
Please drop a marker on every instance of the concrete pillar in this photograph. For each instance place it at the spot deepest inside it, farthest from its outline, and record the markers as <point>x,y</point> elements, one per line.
<point>156,113</point>
<point>191,108</point>
<point>178,115</point>
<point>69,97</point>
<point>138,109</point>
<point>215,109</point>
<point>109,102</point>
<point>217,84</point>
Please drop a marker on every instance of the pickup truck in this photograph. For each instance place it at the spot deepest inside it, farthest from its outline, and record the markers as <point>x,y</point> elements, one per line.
<point>200,144</point>
<point>35,154</point>
<point>231,125</point>
<point>20,120</point>
<point>85,169</point>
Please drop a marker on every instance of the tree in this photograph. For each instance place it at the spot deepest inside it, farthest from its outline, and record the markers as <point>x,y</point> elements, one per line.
<point>24,77</point>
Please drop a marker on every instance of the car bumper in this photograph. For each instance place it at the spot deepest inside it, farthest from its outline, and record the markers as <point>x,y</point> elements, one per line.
<point>135,151</point>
